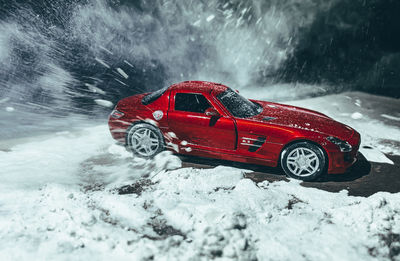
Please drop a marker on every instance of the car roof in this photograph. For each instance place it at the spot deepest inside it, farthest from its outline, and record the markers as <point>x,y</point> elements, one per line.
<point>199,86</point>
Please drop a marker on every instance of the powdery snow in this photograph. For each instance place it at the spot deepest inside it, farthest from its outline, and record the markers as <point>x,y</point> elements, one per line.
<point>356,115</point>
<point>94,89</point>
<point>120,71</point>
<point>104,103</point>
<point>59,200</point>
<point>100,61</point>
<point>390,117</point>
<point>210,18</point>
<point>77,195</point>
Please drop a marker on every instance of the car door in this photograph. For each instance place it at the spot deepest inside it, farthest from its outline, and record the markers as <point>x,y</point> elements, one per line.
<point>187,119</point>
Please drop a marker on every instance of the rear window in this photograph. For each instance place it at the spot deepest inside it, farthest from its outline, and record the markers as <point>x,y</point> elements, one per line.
<point>151,97</point>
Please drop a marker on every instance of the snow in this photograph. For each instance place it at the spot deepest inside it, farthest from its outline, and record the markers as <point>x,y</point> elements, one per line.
<point>100,61</point>
<point>197,23</point>
<point>210,18</point>
<point>59,199</point>
<point>4,100</point>
<point>356,115</point>
<point>390,117</point>
<point>104,103</point>
<point>61,203</point>
<point>128,63</point>
<point>120,71</point>
<point>105,49</point>
<point>372,154</point>
<point>10,109</point>
<point>94,89</point>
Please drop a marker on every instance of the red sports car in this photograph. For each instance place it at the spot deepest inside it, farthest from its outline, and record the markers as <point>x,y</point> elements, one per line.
<point>211,120</point>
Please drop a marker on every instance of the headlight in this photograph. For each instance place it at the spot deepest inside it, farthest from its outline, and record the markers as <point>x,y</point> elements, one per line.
<point>344,146</point>
<point>116,114</point>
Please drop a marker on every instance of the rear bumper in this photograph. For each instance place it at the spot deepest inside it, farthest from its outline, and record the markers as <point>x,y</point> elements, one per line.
<point>118,128</point>
<point>339,161</point>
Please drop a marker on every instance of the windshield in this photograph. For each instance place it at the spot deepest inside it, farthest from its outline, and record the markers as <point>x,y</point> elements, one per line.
<point>237,105</point>
<point>149,98</point>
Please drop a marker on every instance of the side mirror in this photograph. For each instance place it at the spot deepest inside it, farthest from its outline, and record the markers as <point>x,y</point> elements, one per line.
<point>212,112</point>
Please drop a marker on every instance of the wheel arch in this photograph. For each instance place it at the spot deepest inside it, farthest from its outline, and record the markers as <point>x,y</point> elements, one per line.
<point>305,140</point>
<point>136,122</point>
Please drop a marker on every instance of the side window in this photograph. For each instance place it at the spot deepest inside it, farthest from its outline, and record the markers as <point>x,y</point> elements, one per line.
<point>191,102</point>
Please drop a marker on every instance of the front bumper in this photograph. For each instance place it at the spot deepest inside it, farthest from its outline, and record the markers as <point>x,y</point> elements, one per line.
<point>339,161</point>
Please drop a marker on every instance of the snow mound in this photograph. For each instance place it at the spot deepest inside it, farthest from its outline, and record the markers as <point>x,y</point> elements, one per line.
<point>79,196</point>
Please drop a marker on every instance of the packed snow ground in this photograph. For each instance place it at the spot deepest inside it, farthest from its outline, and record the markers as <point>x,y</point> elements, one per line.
<point>65,197</point>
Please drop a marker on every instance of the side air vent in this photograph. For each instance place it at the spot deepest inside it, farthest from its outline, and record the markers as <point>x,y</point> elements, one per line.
<point>257,144</point>
<point>268,118</point>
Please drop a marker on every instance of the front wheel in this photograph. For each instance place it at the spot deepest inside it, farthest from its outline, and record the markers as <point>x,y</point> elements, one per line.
<point>144,140</point>
<point>304,161</point>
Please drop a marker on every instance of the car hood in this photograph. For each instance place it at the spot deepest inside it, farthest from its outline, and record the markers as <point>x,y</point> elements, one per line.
<point>301,118</point>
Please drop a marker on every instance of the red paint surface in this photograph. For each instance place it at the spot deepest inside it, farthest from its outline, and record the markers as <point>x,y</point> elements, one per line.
<point>227,137</point>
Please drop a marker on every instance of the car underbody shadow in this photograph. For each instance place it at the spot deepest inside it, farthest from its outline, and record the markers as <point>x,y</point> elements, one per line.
<point>362,179</point>
<point>207,162</point>
<point>260,173</point>
<point>361,168</point>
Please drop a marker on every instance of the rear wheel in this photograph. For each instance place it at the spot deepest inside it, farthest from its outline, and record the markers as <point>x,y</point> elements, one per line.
<point>304,161</point>
<point>144,140</point>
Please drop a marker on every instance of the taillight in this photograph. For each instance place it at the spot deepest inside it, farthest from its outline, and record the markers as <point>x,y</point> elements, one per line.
<point>116,114</point>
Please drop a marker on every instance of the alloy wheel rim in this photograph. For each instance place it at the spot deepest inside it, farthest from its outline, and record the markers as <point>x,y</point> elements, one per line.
<point>144,142</point>
<point>302,162</point>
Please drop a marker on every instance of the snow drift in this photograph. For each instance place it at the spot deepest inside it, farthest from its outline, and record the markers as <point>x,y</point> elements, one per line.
<point>77,195</point>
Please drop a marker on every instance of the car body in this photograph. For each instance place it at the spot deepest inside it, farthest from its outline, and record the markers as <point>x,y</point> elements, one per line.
<point>257,134</point>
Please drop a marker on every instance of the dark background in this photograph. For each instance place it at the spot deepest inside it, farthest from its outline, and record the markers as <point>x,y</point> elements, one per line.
<point>49,50</point>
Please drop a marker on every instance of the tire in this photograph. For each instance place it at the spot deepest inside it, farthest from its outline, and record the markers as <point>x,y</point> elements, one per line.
<point>144,140</point>
<point>304,161</point>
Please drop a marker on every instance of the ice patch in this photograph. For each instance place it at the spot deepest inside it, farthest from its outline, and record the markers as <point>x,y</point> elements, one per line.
<point>10,109</point>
